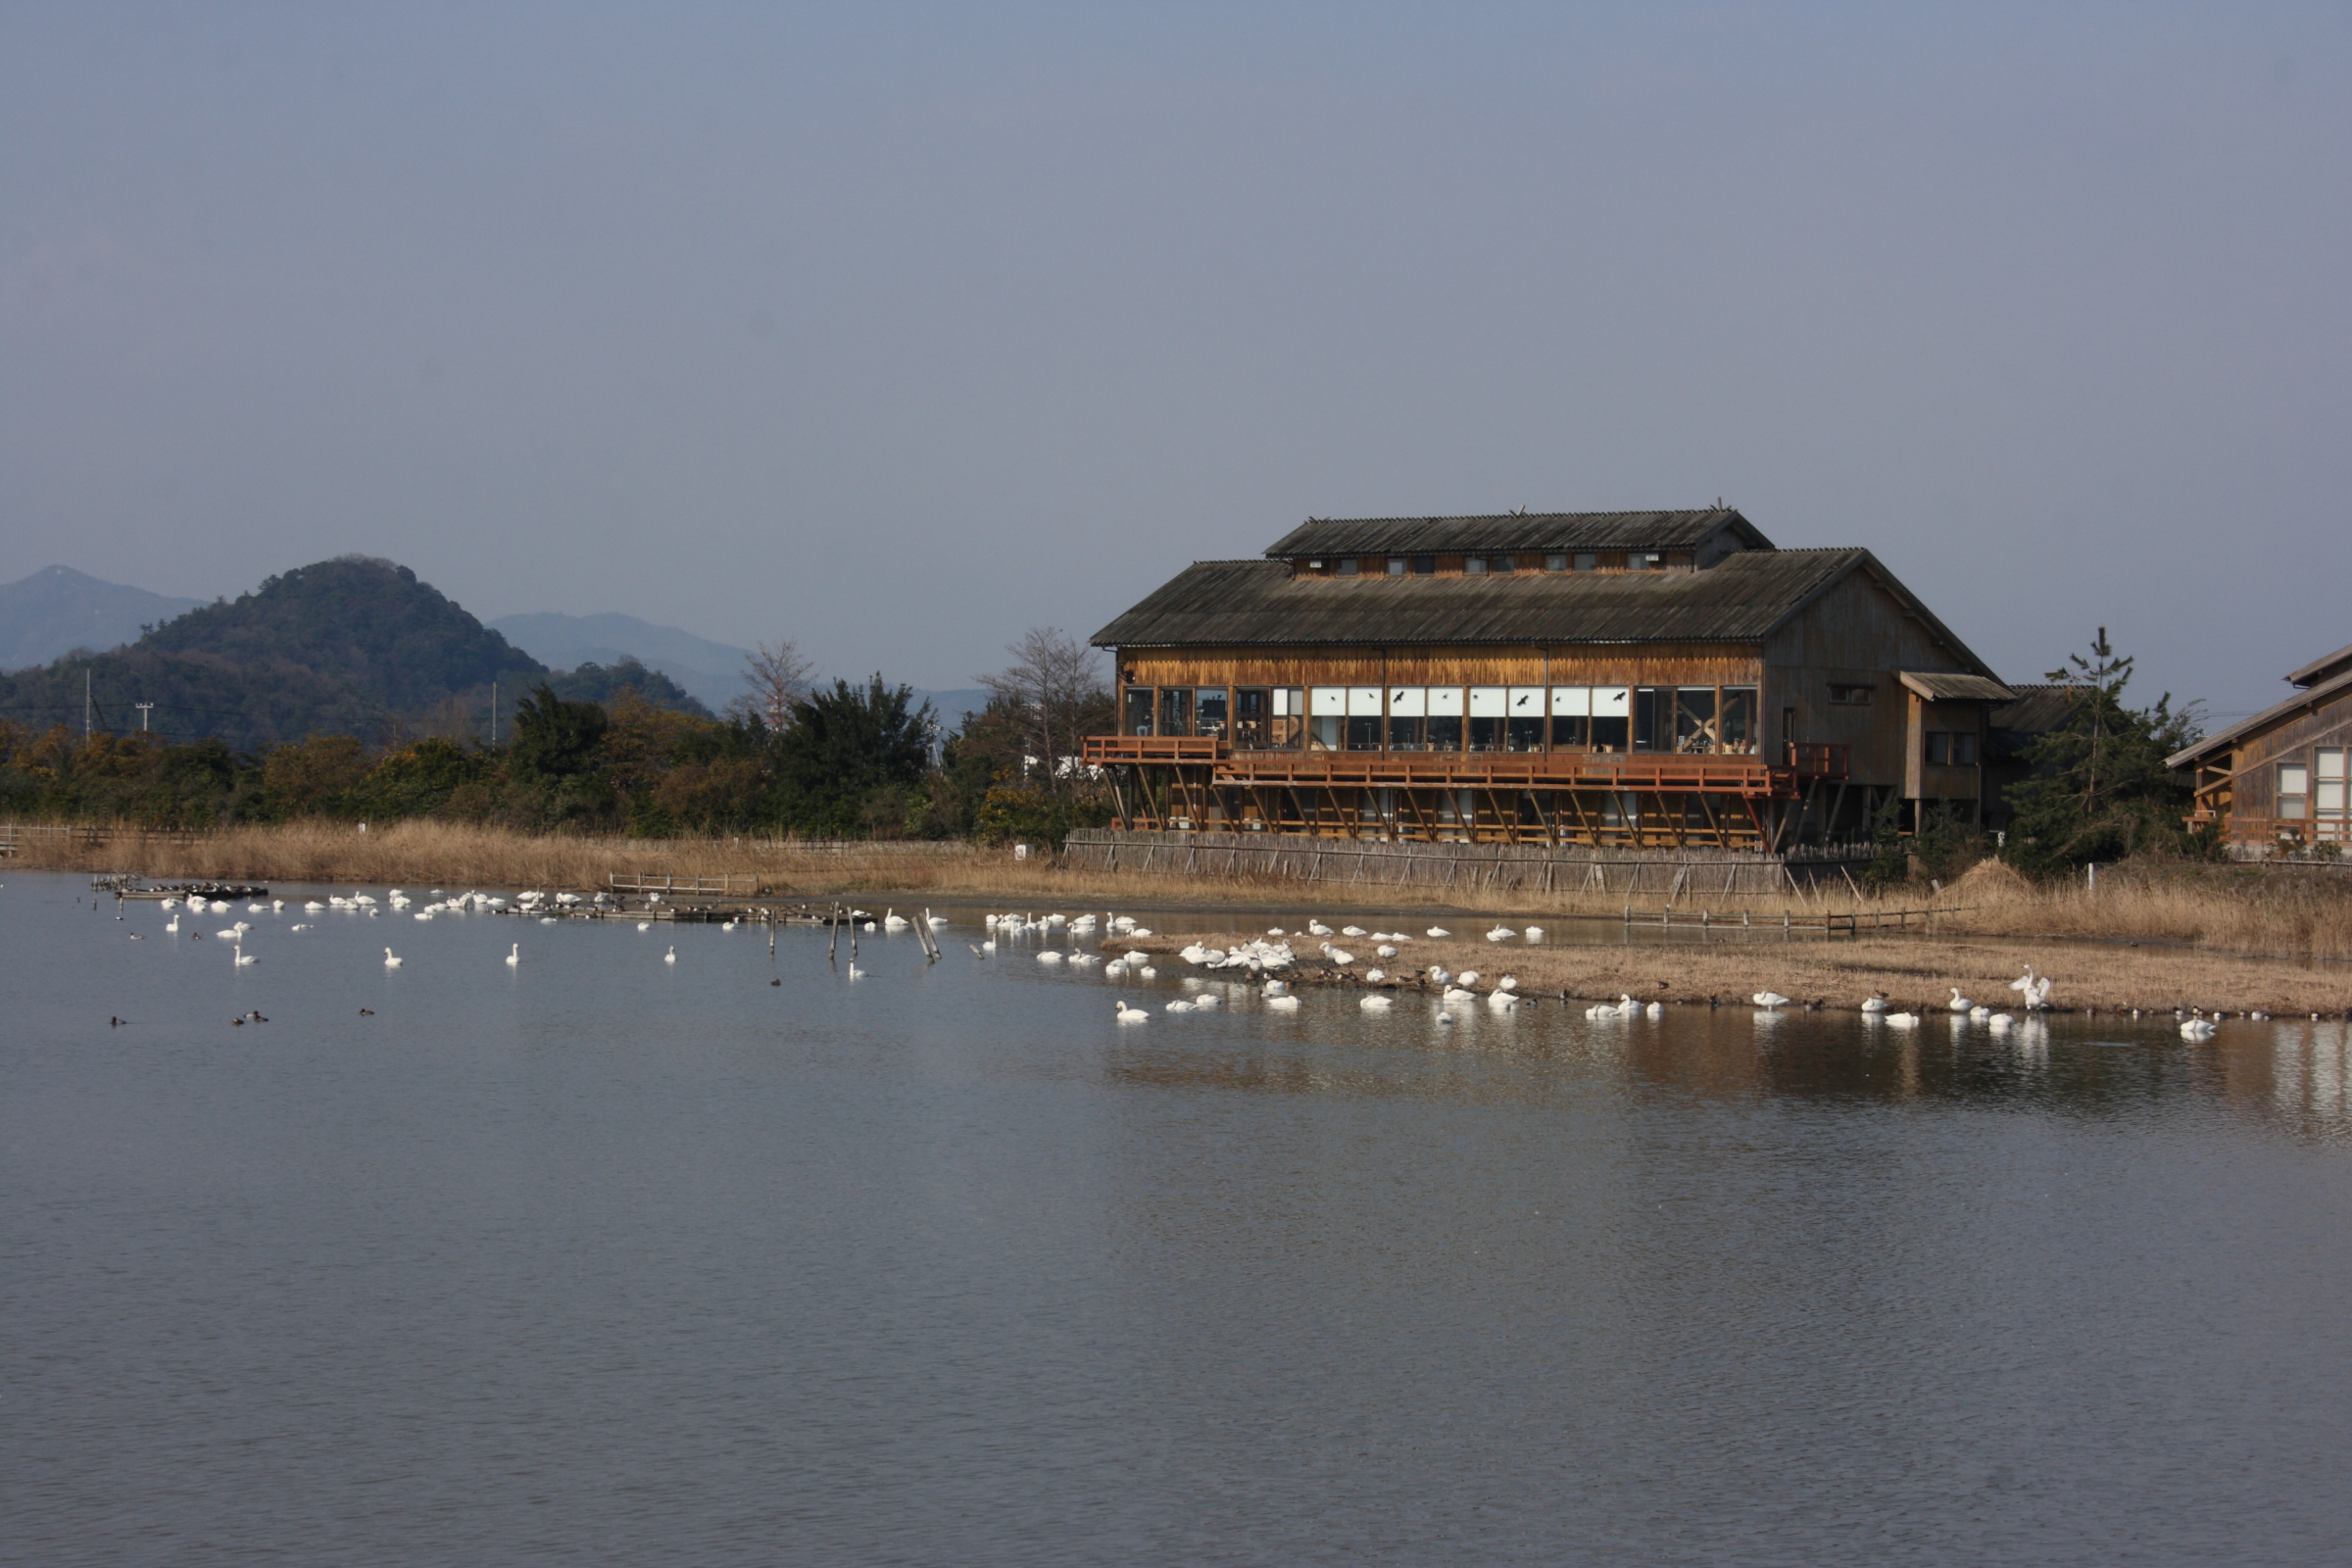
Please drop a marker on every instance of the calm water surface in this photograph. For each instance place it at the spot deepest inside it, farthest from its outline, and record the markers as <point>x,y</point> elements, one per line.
<point>602,1259</point>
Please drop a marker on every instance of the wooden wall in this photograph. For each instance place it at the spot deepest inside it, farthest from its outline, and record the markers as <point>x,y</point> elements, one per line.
<point>2254,792</point>
<point>1648,665</point>
<point>1855,634</point>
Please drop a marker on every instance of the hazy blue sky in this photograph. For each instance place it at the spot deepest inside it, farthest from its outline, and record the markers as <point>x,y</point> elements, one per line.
<point>897,329</point>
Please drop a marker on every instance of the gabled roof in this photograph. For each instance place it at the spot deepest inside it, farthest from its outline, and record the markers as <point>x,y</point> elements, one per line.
<point>1516,531</point>
<point>2320,669</point>
<point>1261,603</point>
<point>1937,686</point>
<point>2303,701</point>
<point>2037,708</point>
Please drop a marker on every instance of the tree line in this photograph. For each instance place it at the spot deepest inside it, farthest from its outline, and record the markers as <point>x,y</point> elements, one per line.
<point>789,757</point>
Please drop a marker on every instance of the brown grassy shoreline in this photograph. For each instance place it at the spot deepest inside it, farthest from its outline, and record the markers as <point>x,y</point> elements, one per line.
<point>2197,915</point>
<point>1916,973</point>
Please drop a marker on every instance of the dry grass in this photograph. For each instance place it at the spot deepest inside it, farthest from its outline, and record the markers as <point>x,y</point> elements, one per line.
<point>2238,910</point>
<point>1916,973</point>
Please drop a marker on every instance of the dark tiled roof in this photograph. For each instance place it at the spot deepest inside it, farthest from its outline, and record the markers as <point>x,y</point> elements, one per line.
<point>2320,669</point>
<point>1515,531</point>
<point>2038,710</point>
<point>2316,696</point>
<point>1259,603</point>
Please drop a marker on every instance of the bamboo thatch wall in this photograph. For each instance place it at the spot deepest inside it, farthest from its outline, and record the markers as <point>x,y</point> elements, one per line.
<point>1668,874</point>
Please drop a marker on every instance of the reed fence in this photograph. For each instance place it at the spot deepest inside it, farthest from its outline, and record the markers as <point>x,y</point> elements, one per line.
<point>1690,875</point>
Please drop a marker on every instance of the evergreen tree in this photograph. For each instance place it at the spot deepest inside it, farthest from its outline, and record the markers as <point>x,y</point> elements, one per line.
<point>2100,788</point>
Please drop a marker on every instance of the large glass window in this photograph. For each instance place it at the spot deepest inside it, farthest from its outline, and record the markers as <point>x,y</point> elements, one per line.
<point>1409,719</point>
<point>1444,718</point>
<point>1209,711</point>
<point>1327,716</point>
<point>1523,728</point>
<point>1289,717</point>
<point>1488,707</point>
<point>1175,709</point>
<point>1571,717</point>
<point>1252,718</point>
<point>1736,722</point>
<point>1653,718</point>
<point>1611,707</point>
<point>1695,719</point>
<point>1347,566</point>
<point>1363,718</point>
<point>1136,717</point>
<point>2328,795</point>
<point>2294,790</point>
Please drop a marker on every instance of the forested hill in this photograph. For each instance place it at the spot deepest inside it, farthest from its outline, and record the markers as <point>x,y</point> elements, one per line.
<point>351,646</point>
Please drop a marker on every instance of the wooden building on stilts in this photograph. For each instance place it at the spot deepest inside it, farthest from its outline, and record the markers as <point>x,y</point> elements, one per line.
<point>1655,679</point>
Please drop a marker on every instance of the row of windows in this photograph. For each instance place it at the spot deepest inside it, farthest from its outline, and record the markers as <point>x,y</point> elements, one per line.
<point>2315,789</point>
<point>1687,719</point>
<point>1501,565</point>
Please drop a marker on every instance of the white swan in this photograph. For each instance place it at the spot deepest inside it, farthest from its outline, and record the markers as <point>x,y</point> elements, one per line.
<point>672,957</point>
<point>1657,1010</point>
<point>1876,1003</point>
<point>1353,931</point>
<point>1458,994</point>
<point>1533,933</point>
<point>244,957</point>
<point>1283,1003</point>
<point>1959,1003</point>
<point>1316,928</point>
<point>1439,931</point>
<point>1147,972</point>
<point>1278,988</point>
<point>1048,956</point>
<point>1469,977</point>
<point>1376,1003</point>
<point>1769,1000</point>
<point>2197,1029</point>
<point>173,925</point>
<point>1386,951</point>
<point>1979,1014</point>
<point>515,956</point>
<point>1376,976</point>
<point>1501,933</point>
<point>2001,1023</point>
<point>1180,1005</point>
<point>1507,983</point>
<point>391,960</point>
<point>1902,1020</point>
<point>1501,1001</point>
<point>1338,957</point>
<point>645,925</point>
<point>1129,1015</point>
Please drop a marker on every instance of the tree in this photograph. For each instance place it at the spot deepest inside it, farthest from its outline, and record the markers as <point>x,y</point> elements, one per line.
<point>1051,698</point>
<point>555,739</point>
<point>2100,788</point>
<point>852,755</point>
<point>774,677</point>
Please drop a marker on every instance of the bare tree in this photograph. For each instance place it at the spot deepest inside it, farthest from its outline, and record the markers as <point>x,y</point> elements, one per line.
<point>1054,693</point>
<point>774,677</point>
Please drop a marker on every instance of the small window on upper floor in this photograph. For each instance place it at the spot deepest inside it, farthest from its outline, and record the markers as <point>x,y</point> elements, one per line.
<point>1425,565</point>
<point>1556,563</point>
<point>1474,566</point>
<point>1502,565</point>
<point>1347,566</point>
<point>1850,696</point>
<point>1397,565</point>
<point>1586,561</point>
<point>1653,561</point>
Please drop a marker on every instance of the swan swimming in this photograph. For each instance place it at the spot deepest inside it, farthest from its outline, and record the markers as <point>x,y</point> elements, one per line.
<point>1959,1003</point>
<point>391,960</point>
<point>515,956</point>
<point>1769,1000</point>
<point>1129,1015</point>
<point>1376,1003</point>
<point>672,957</point>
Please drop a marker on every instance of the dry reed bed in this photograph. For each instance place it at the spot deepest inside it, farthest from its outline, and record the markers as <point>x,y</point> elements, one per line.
<point>1837,972</point>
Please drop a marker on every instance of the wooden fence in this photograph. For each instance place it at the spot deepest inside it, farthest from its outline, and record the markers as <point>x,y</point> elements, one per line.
<point>17,837</point>
<point>1668,875</point>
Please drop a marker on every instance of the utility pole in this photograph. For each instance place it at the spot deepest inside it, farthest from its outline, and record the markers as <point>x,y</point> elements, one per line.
<point>85,704</point>
<point>494,712</point>
<point>142,707</point>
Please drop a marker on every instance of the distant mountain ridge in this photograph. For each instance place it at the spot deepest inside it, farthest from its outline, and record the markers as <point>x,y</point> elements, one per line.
<point>57,610</point>
<point>711,672</point>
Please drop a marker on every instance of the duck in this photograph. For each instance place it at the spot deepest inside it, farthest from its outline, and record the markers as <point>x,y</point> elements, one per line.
<point>392,960</point>
<point>1127,1014</point>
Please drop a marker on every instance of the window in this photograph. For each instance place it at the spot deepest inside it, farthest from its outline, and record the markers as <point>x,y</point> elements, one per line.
<point>1425,565</point>
<point>1501,565</point>
<point>1289,717</point>
<point>1736,722</point>
<point>1586,561</point>
<point>1486,706</point>
<point>1939,748</point>
<point>2294,790</point>
<point>1964,749</point>
<point>1347,567</point>
<point>1523,729</point>
<point>1327,716</point>
<point>1135,719</point>
<point>1175,709</point>
<point>1556,563</point>
<point>1474,565</point>
<point>1611,705</point>
<point>1847,694</point>
<point>1363,718</point>
<point>1444,718</point>
<point>1695,719</point>
<point>1653,718</point>
<point>1571,717</point>
<point>1653,562</point>
<point>1789,725</point>
<point>1253,718</point>
<point>1409,719</point>
<point>2327,797</point>
<point>1397,565</point>
<point>1209,711</point>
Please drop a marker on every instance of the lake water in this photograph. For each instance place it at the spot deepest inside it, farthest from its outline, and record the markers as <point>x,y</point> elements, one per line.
<point>599,1258</point>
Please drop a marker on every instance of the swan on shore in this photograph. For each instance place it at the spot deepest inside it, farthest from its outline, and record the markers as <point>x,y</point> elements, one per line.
<point>1439,931</point>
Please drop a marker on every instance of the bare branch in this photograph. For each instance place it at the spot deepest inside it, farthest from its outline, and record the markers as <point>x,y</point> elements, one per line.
<point>774,677</point>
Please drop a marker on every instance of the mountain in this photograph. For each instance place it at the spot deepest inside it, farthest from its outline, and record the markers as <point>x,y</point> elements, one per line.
<point>711,671</point>
<point>354,645</point>
<point>57,610</point>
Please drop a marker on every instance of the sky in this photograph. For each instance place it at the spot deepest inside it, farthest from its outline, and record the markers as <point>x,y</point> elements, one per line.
<point>896,330</point>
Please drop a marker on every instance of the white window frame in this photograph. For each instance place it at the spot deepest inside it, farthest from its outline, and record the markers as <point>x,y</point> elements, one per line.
<point>1327,702</point>
<point>1489,702</point>
<point>1571,701</point>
